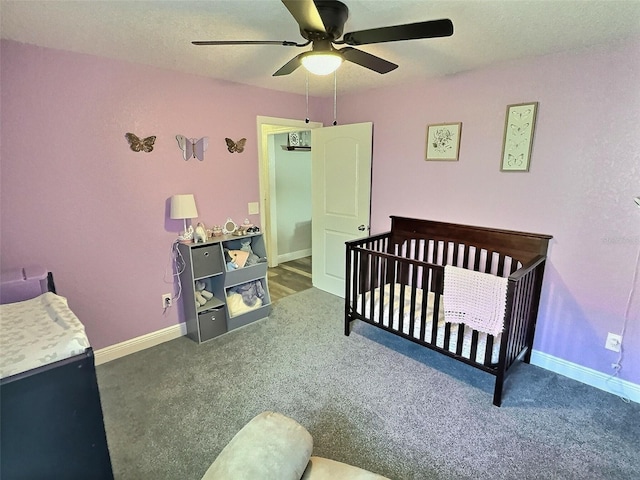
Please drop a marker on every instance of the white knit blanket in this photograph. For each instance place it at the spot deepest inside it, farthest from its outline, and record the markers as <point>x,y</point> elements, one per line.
<point>474,298</point>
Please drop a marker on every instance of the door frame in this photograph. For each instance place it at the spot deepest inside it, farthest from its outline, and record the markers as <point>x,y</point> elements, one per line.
<point>270,126</point>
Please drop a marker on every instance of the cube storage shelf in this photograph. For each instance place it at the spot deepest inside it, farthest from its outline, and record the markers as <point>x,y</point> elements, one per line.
<point>205,262</point>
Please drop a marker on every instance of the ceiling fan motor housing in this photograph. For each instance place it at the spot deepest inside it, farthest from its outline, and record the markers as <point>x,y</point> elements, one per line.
<point>334,15</point>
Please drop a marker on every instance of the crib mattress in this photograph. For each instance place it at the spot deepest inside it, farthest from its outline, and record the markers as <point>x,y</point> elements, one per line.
<point>38,332</point>
<point>363,307</point>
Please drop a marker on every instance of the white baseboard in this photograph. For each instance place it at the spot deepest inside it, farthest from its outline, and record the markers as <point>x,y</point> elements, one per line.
<point>138,344</point>
<point>287,257</point>
<point>602,381</point>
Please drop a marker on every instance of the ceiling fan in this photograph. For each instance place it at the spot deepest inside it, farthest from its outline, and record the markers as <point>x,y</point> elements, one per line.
<point>321,24</point>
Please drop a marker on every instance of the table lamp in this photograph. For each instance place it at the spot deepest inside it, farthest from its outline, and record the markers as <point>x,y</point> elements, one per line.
<point>183,206</point>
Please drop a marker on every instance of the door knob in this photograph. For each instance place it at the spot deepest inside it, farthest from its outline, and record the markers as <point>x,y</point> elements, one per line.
<point>362,228</point>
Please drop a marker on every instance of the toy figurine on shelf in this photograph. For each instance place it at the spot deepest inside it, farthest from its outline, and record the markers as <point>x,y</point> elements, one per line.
<point>187,235</point>
<point>200,233</point>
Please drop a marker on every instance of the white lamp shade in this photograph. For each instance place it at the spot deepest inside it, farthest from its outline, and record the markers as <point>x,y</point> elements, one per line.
<point>321,63</point>
<point>183,206</point>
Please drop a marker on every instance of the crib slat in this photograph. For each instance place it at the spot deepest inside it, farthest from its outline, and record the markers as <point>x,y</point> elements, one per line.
<point>499,271</point>
<point>426,273</point>
<point>488,351</point>
<point>476,262</point>
<point>401,275</point>
<point>445,252</point>
<point>373,282</point>
<point>438,275</point>
<point>523,310</point>
<point>487,266</point>
<point>382,277</point>
<point>517,323</point>
<point>465,256</point>
<point>460,339</point>
<point>474,345</point>
<point>412,313</point>
<point>447,336</point>
<point>526,295</point>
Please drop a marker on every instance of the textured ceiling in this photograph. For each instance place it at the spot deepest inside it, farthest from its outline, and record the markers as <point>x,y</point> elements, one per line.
<point>159,33</point>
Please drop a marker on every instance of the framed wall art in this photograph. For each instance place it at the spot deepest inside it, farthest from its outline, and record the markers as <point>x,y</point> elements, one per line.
<point>443,141</point>
<point>519,125</point>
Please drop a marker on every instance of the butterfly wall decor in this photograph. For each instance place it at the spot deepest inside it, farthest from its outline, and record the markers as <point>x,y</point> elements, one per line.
<point>140,145</point>
<point>235,147</point>
<point>192,147</point>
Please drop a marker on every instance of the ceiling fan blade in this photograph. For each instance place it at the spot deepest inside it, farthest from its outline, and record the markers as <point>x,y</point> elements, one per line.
<point>306,14</point>
<point>284,43</point>
<point>395,33</point>
<point>367,60</point>
<point>289,67</point>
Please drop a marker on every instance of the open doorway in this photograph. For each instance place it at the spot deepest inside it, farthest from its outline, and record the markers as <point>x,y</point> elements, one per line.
<point>268,127</point>
<point>285,203</point>
<point>341,188</point>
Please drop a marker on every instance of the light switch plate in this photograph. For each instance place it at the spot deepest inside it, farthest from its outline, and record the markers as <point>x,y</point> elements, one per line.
<point>254,208</point>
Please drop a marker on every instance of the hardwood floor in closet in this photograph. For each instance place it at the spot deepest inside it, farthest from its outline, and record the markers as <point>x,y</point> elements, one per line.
<point>289,277</point>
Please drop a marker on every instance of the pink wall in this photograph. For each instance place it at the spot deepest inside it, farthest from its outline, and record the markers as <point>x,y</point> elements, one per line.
<point>78,201</point>
<point>585,169</point>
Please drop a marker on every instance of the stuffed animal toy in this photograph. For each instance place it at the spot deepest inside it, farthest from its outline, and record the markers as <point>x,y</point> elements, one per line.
<point>228,260</point>
<point>200,233</point>
<point>252,259</point>
<point>250,291</point>
<point>202,295</point>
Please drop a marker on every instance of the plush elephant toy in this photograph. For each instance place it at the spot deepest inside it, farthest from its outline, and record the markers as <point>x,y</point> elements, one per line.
<point>202,295</point>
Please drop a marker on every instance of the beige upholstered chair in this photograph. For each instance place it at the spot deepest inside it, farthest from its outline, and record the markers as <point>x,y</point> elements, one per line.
<point>275,447</point>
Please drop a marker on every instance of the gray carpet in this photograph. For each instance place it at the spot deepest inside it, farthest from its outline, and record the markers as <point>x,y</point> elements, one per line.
<point>371,399</point>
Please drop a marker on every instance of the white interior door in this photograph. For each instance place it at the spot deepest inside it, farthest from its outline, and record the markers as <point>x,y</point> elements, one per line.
<point>341,191</point>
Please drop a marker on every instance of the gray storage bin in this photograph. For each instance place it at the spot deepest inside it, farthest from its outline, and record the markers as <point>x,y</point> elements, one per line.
<point>207,260</point>
<point>212,323</point>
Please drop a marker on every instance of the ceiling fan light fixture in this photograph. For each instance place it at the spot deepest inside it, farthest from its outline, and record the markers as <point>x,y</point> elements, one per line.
<point>321,63</point>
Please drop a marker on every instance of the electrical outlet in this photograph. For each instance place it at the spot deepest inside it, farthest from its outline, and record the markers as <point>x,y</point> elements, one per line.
<point>167,301</point>
<point>613,342</point>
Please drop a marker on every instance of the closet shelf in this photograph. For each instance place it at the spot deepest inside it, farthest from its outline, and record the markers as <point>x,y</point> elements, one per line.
<point>287,147</point>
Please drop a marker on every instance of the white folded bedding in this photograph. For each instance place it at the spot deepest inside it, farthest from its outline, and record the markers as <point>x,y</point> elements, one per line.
<point>236,304</point>
<point>363,307</point>
<point>38,332</point>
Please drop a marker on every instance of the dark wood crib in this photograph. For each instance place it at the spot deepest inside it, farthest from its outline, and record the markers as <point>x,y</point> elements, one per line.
<point>395,281</point>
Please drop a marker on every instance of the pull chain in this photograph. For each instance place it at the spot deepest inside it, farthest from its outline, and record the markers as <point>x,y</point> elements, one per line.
<point>306,120</point>
<point>335,90</point>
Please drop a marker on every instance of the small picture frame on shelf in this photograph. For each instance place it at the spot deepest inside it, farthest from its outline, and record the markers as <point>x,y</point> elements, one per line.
<point>229,227</point>
<point>443,141</point>
<point>294,139</point>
